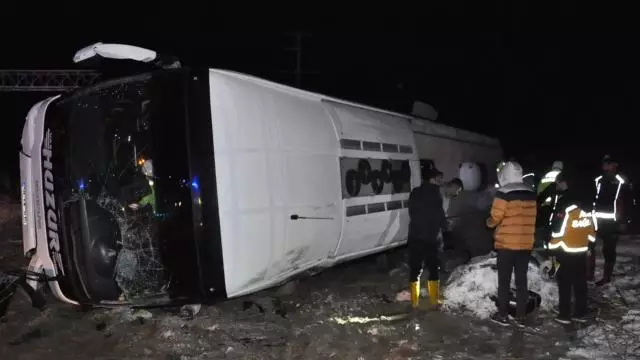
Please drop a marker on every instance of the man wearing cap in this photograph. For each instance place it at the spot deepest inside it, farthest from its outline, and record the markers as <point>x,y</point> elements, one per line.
<point>609,216</point>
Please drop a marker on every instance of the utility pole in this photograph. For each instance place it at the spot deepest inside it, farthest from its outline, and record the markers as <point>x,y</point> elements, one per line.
<point>298,50</point>
<point>298,72</point>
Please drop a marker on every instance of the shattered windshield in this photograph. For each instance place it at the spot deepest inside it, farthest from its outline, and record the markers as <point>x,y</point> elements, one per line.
<point>127,186</point>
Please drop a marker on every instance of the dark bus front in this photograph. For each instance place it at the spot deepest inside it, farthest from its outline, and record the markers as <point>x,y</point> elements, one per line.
<point>135,188</point>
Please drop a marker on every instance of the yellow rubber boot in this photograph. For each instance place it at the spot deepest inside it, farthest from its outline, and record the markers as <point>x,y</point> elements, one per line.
<point>434,292</point>
<point>414,287</point>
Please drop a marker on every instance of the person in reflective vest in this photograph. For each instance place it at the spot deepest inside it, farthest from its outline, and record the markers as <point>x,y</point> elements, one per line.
<point>546,203</point>
<point>572,231</point>
<point>609,217</point>
<point>548,179</point>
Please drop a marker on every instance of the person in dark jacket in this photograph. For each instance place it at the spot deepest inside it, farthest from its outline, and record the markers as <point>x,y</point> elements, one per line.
<point>610,218</point>
<point>427,220</point>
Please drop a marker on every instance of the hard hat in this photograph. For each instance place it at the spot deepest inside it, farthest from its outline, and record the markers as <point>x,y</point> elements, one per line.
<point>557,165</point>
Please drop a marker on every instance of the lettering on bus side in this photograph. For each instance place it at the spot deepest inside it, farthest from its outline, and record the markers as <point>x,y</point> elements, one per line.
<point>51,214</point>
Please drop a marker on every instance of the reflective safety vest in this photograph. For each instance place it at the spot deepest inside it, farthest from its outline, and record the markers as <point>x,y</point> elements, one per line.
<point>605,204</point>
<point>555,203</point>
<point>548,179</point>
<point>574,232</point>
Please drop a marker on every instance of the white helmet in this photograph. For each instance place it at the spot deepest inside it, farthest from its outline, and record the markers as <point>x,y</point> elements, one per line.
<point>557,165</point>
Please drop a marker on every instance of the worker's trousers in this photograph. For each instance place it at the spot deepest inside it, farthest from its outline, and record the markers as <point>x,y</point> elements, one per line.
<point>423,253</point>
<point>572,281</point>
<point>608,236</point>
<point>513,261</point>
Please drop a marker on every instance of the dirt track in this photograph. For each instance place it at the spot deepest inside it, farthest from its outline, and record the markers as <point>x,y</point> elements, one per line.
<point>335,315</point>
<point>306,325</point>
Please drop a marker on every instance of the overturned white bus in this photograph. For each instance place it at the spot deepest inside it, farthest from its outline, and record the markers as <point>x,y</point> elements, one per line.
<point>193,185</point>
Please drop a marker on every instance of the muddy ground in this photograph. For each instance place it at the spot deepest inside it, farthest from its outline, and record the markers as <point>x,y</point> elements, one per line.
<point>348,312</point>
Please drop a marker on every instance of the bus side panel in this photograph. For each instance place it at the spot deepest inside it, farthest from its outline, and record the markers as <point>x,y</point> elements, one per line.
<point>278,184</point>
<point>373,221</point>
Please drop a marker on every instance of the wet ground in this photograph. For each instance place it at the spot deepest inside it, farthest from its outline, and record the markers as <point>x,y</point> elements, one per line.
<point>348,312</point>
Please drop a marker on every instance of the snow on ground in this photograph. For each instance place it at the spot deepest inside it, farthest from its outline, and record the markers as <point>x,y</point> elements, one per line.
<point>616,335</point>
<point>470,286</point>
<point>610,340</point>
<point>344,313</point>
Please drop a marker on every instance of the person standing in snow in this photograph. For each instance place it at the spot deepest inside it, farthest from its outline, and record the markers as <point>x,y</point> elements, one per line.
<point>427,220</point>
<point>609,216</point>
<point>550,177</point>
<point>572,231</point>
<point>513,216</point>
<point>546,203</point>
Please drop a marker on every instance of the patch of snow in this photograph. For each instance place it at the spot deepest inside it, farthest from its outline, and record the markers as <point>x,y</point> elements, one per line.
<point>470,287</point>
<point>617,336</point>
<point>403,295</point>
<point>124,314</point>
<point>607,340</point>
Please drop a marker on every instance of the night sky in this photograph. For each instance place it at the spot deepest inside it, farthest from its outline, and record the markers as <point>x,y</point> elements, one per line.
<point>552,95</point>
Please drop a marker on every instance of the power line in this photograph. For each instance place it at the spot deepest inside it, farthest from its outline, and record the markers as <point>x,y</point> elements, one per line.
<point>45,80</point>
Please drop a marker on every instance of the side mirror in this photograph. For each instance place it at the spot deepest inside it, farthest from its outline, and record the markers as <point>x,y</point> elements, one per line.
<point>124,52</point>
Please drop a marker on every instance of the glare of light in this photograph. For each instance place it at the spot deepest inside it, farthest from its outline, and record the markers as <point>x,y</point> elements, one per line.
<point>141,161</point>
<point>81,184</point>
<point>497,186</point>
<point>150,182</point>
<point>194,184</point>
<point>199,201</point>
<point>129,138</point>
<point>366,320</point>
<point>527,175</point>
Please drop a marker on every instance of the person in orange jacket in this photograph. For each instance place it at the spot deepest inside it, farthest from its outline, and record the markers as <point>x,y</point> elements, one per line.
<point>513,216</point>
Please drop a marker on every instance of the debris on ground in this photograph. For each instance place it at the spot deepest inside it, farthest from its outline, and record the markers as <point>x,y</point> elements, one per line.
<point>344,313</point>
